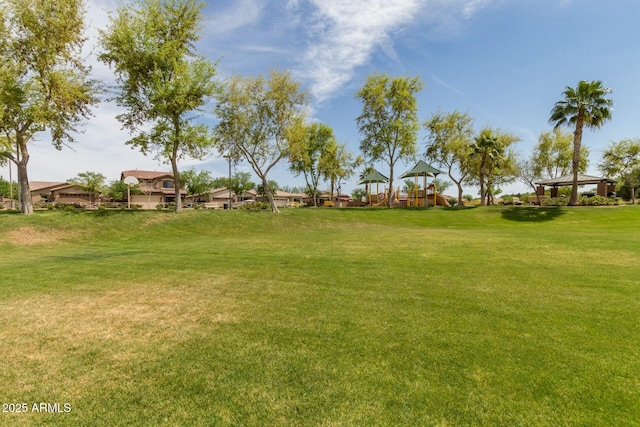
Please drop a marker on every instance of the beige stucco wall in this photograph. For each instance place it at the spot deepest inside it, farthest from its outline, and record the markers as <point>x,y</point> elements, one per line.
<point>147,202</point>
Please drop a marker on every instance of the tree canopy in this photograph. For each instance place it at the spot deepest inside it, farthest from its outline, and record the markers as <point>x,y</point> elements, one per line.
<point>308,156</point>
<point>163,83</point>
<point>553,154</point>
<point>91,182</point>
<point>197,182</point>
<point>585,105</point>
<point>449,144</point>
<point>338,164</point>
<point>622,160</point>
<point>493,162</point>
<point>259,118</point>
<point>389,122</point>
<point>44,84</point>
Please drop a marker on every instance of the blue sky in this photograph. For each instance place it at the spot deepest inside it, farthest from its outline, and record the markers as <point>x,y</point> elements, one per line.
<point>505,62</point>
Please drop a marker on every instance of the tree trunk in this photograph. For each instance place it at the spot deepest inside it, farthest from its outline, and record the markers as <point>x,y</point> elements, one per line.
<point>482,195</point>
<point>267,192</point>
<point>575,164</point>
<point>332,190</point>
<point>176,184</point>
<point>23,179</point>
<point>390,195</point>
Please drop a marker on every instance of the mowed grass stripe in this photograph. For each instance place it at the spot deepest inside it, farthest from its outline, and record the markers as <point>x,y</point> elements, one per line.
<point>325,317</point>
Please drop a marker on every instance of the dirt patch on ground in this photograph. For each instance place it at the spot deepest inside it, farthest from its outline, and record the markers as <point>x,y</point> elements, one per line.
<point>132,317</point>
<point>81,339</point>
<point>26,236</point>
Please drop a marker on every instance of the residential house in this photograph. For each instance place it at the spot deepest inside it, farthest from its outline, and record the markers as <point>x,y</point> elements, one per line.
<point>59,192</point>
<point>156,188</point>
<point>217,198</point>
<point>282,199</point>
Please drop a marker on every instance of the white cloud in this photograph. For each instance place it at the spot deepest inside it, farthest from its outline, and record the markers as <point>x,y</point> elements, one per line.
<point>243,12</point>
<point>347,33</point>
<point>344,34</point>
<point>473,6</point>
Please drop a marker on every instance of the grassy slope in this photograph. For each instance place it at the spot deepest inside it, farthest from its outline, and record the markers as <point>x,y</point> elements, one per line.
<point>506,316</point>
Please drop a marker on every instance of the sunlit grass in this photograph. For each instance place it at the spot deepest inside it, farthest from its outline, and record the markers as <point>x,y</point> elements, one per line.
<point>496,316</point>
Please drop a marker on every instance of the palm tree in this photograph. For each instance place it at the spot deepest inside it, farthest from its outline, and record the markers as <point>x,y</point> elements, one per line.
<point>487,148</point>
<point>585,105</point>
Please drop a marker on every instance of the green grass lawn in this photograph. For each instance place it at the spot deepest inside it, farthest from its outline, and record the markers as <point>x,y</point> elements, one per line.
<point>511,316</point>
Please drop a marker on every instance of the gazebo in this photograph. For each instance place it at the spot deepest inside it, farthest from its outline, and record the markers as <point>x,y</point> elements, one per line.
<point>423,169</point>
<point>605,186</point>
<point>370,178</point>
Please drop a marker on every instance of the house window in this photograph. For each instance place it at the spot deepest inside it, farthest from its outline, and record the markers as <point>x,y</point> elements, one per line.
<point>167,184</point>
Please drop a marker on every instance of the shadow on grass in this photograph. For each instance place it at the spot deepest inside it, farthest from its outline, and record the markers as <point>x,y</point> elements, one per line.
<point>532,214</point>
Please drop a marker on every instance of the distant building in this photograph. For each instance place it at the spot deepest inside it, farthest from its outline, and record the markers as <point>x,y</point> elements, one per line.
<point>156,188</point>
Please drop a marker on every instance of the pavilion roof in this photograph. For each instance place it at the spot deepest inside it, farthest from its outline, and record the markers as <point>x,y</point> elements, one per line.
<point>374,176</point>
<point>421,168</point>
<point>567,180</point>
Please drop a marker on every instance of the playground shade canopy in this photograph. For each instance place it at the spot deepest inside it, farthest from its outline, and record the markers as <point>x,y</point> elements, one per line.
<point>421,169</point>
<point>374,176</point>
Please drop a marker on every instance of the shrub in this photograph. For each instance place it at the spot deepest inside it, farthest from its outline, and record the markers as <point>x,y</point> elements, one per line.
<point>507,200</point>
<point>256,206</point>
<point>555,201</point>
<point>598,201</point>
<point>583,201</point>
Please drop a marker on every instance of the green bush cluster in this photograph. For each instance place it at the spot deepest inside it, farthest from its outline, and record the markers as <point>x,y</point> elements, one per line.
<point>598,201</point>
<point>507,200</point>
<point>555,201</point>
<point>583,201</point>
<point>256,206</point>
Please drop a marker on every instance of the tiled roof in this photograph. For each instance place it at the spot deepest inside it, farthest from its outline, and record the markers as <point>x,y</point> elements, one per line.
<point>42,185</point>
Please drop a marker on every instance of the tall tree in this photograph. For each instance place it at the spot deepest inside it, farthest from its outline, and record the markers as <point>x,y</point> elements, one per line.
<point>162,82</point>
<point>622,160</point>
<point>337,164</point>
<point>306,155</point>
<point>117,190</point>
<point>553,154</point>
<point>258,120</point>
<point>44,84</point>
<point>493,163</point>
<point>197,182</point>
<point>241,182</point>
<point>585,105</point>
<point>389,122</point>
<point>91,182</point>
<point>271,190</point>
<point>449,144</point>
<point>487,150</point>
<point>6,189</point>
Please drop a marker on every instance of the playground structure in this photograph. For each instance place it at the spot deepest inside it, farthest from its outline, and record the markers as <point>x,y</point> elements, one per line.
<point>430,198</point>
<point>412,199</point>
<point>380,199</point>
